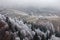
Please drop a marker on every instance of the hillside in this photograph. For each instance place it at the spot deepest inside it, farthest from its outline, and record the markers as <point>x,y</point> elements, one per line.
<point>32,23</point>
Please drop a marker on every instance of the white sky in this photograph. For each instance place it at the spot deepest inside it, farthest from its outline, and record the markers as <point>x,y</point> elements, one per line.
<point>40,3</point>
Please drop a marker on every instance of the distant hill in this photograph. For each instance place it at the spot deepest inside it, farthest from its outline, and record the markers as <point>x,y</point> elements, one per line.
<point>40,11</point>
<point>35,10</point>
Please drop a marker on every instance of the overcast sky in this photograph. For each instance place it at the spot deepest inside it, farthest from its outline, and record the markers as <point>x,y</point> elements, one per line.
<point>38,3</point>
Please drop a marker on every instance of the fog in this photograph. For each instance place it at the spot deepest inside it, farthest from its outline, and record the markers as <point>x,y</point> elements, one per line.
<point>29,19</point>
<point>33,3</point>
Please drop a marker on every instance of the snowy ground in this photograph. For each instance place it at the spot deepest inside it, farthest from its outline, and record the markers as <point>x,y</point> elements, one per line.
<point>54,38</point>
